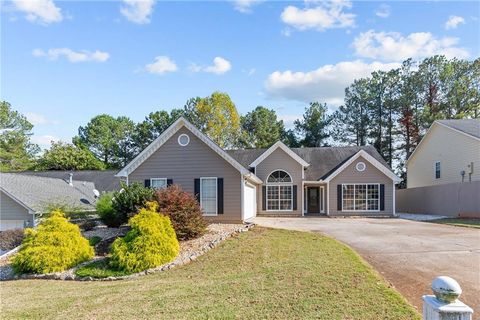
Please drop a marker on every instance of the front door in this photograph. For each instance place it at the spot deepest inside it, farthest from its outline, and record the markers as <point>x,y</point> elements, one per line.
<point>313,200</point>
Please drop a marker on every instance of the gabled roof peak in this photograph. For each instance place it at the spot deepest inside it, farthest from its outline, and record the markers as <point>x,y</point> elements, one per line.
<point>283,146</point>
<point>167,134</point>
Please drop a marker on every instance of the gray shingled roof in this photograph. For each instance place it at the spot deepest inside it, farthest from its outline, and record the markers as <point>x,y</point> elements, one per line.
<point>39,192</point>
<point>468,126</point>
<point>323,160</point>
<point>104,180</point>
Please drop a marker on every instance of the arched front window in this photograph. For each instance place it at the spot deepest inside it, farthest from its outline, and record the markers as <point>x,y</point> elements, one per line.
<point>279,176</point>
<point>279,191</point>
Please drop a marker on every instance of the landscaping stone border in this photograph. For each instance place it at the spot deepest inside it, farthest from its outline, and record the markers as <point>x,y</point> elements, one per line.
<point>183,258</point>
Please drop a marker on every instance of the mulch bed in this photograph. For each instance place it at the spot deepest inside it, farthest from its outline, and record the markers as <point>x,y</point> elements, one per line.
<point>189,251</point>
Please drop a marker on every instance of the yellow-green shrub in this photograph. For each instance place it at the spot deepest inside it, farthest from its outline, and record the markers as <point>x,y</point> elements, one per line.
<point>151,242</point>
<point>55,245</point>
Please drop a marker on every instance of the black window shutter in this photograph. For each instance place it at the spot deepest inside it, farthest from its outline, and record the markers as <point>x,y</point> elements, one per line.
<point>382,197</point>
<point>169,182</point>
<point>147,183</point>
<point>197,190</point>
<point>294,197</point>
<point>264,198</point>
<point>339,197</point>
<point>220,195</point>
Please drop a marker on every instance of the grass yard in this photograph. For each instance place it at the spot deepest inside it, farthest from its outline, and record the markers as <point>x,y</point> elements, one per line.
<point>263,273</point>
<point>466,222</point>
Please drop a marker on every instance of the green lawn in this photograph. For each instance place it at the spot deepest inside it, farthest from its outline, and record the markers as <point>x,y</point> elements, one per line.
<point>466,222</point>
<point>260,274</point>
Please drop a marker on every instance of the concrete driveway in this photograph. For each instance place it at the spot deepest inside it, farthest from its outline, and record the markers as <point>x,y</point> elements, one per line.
<point>409,254</point>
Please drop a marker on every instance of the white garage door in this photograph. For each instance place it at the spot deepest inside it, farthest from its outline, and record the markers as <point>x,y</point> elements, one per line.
<point>11,224</point>
<point>249,202</point>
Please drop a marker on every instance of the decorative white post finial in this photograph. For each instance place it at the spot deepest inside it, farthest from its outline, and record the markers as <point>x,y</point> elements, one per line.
<point>445,304</point>
<point>446,289</point>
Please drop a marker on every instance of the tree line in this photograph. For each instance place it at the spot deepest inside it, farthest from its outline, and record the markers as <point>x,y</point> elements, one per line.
<point>389,110</point>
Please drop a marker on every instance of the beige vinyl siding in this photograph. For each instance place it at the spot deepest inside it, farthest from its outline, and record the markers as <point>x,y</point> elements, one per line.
<point>370,175</point>
<point>280,160</point>
<point>196,160</point>
<point>453,149</point>
<point>12,210</point>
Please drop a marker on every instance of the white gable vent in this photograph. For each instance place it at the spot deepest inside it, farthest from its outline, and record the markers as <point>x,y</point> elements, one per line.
<point>183,139</point>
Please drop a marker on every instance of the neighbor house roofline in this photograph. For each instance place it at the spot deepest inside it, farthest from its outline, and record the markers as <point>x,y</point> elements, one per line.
<point>445,126</point>
<point>167,134</point>
<point>11,196</point>
<point>275,146</point>
<point>362,153</point>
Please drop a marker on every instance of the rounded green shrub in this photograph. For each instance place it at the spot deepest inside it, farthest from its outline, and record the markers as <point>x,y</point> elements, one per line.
<point>55,245</point>
<point>130,199</point>
<point>150,243</point>
<point>107,212</point>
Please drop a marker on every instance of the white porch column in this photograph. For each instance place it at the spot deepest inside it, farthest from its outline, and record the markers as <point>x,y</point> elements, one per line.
<point>444,305</point>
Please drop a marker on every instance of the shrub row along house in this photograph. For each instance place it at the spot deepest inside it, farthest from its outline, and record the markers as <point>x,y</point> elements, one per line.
<point>236,185</point>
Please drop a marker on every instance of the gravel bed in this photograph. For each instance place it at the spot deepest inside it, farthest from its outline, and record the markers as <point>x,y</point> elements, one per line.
<point>189,251</point>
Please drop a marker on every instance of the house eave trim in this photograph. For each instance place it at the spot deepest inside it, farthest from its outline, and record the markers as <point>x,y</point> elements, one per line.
<point>30,210</point>
<point>274,147</point>
<point>371,160</point>
<point>428,131</point>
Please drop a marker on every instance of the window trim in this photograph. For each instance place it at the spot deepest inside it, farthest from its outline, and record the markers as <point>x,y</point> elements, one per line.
<point>216,196</point>
<point>279,184</point>
<point>183,135</point>
<point>360,163</point>
<point>156,179</point>
<point>366,199</point>
<point>439,170</point>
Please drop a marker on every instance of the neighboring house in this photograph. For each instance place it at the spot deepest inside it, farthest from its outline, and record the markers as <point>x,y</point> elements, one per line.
<point>449,152</point>
<point>104,180</point>
<point>236,185</point>
<point>23,198</point>
<point>443,173</point>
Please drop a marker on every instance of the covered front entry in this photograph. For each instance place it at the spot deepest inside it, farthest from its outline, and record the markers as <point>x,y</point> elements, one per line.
<point>314,200</point>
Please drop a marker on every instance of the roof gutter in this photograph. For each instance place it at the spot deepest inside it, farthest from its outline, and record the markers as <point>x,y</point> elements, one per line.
<point>250,176</point>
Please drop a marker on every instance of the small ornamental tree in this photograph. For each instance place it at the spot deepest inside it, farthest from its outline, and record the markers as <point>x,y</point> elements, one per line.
<point>55,245</point>
<point>184,212</point>
<point>150,243</point>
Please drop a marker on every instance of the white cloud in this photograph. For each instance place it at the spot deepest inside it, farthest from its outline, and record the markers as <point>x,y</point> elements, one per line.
<point>72,56</point>
<point>245,6</point>
<point>44,141</point>
<point>325,84</point>
<point>220,66</point>
<point>38,119</point>
<point>453,22</point>
<point>393,46</point>
<point>320,16</point>
<point>41,11</point>
<point>383,11</point>
<point>137,11</point>
<point>289,119</point>
<point>162,64</point>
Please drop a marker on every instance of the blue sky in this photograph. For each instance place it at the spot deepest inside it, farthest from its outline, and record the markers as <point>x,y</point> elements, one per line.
<point>63,62</point>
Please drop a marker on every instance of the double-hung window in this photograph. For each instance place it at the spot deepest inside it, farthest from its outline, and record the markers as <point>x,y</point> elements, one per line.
<point>361,197</point>
<point>279,191</point>
<point>158,183</point>
<point>208,196</point>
